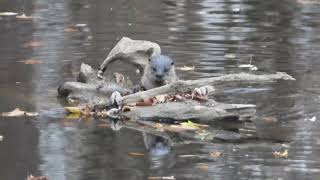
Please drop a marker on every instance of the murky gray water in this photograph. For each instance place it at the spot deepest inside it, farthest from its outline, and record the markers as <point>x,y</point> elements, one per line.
<point>279,35</point>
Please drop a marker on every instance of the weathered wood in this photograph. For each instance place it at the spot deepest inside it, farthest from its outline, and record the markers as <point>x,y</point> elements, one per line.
<point>136,52</point>
<point>101,87</point>
<point>189,85</point>
<point>192,110</point>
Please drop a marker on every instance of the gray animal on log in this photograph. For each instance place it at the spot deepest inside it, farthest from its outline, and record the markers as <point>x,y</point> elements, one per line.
<point>159,71</point>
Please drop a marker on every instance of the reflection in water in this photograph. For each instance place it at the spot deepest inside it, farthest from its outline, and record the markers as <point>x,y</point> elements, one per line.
<point>158,147</point>
<point>279,35</point>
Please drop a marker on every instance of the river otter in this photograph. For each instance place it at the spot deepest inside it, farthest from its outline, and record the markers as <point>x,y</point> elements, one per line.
<point>159,71</point>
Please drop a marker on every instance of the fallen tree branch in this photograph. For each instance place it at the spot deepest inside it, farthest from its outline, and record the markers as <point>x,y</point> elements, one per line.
<point>189,85</point>
<point>192,110</point>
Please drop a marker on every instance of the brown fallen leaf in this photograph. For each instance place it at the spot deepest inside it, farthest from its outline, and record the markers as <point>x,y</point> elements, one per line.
<point>24,17</point>
<point>30,61</point>
<point>119,78</point>
<point>278,154</point>
<point>32,44</point>
<point>203,166</point>
<point>135,154</point>
<point>31,177</point>
<point>161,178</point>
<point>68,124</point>
<point>71,29</point>
<point>215,154</point>
<point>18,112</point>
<point>270,119</point>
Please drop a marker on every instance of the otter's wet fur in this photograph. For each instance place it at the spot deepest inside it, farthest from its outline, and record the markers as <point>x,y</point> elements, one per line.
<point>159,71</point>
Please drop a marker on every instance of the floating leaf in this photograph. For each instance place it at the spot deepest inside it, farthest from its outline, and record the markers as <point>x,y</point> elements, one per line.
<point>270,119</point>
<point>250,66</point>
<point>8,14</point>
<point>81,25</point>
<point>278,154</point>
<point>236,9</point>
<point>73,110</point>
<point>31,113</point>
<point>71,29</point>
<point>67,124</point>
<point>186,68</point>
<point>73,116</point>
<point>24,17</point>
<point>32,44</point>
<point>203,166</point>
<point>30,61</point>
<point>161,178</point>
<point>308,1</point>
<point>187,126</point>
<point>230,56</point>
<point>135,154</point>
<point>313,119</point>
<point>18,112</point>
<point>215,154</point>
<point>31,177</point>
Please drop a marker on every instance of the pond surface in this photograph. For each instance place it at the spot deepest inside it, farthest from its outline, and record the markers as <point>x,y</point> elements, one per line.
<point>278,35</point>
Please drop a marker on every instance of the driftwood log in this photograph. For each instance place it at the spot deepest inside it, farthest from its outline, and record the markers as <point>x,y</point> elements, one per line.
<point>95,91</point>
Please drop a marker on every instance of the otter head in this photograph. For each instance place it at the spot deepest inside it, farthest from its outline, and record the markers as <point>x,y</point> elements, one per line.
<point>160,67</point>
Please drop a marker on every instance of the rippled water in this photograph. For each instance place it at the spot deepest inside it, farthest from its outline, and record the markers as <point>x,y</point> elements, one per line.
<point>278,35</point>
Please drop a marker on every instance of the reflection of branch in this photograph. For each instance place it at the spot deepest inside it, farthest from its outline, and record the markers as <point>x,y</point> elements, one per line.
<point>145,127</point>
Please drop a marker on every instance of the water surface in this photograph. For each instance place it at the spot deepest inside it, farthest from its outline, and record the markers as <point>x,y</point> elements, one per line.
<point>278,35</point>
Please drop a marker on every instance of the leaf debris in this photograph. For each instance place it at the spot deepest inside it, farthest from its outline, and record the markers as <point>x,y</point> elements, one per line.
<point>135,154</point>
<point>31,177</point>
<point>32,44</point>
<point>71,29</point>
<point>18,112</point>
<point>160,178</point>
<point>279,154</point>
<point>30,61</point>
<point>24,17</point>
<point>8,13</point>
